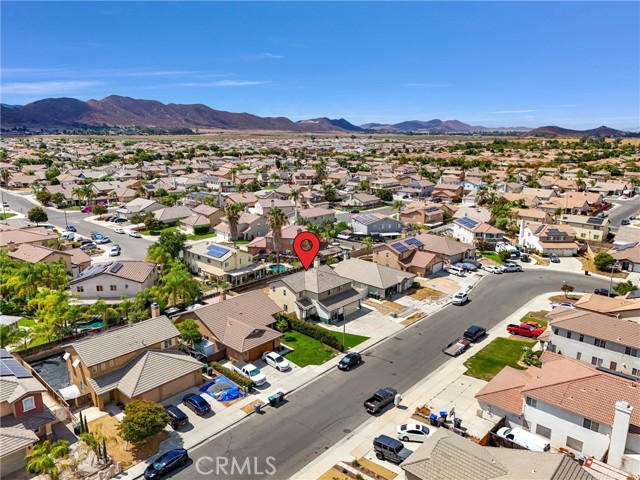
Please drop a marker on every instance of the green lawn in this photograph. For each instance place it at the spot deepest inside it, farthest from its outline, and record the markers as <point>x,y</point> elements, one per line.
<point>350,339</point>
<point>531,318</point>
<point>492,256</point>
<point>4,216</point>
<point>494,357</point>
<point>157,233</point>
<point>202,236</point>
<point>74,208</point>
<point>307,351</point>
<point>27,322</point>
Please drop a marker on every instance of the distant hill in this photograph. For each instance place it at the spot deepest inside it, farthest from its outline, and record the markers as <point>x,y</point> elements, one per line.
<point>553,131</point>
<point>117,111</point>
<point>436,126</point>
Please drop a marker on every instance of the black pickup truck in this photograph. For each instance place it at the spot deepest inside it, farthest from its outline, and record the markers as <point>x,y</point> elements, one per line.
<point>380,399</point>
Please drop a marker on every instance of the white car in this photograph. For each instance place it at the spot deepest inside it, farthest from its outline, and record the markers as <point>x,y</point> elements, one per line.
<point>512,267</point>
<point>115,251</point>
<point>134,234</point>
<point>460,298</point>
<point>119,230</point>
<point>276,361</point>
<point>103,240</point>
<point>492,269</point>
<point>412,432</point>
<point>563,304</point>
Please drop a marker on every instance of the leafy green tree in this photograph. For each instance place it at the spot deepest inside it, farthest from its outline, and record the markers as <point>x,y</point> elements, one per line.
<point>502,223</point>
<point>176,285</point>
<point>398,205</point>
<point>43,197</point>
<point>625,287</point>
<point>58,198</point>
<point>142,419</point>
<point>329,192</point>
<point>603,261</point>
<point>385,195</point>
<point>172,242</point>
<point>367,243</point>
<point>37,215</point>
<point>134,309</point>
<point>100,210</point>
<point>189,332</point>
<point>51,173</point>
<point>567,289</point>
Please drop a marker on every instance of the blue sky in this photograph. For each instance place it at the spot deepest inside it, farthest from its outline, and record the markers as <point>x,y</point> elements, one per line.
<point>497,64</point>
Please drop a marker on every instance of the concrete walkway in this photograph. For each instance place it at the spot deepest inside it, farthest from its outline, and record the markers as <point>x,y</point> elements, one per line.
<point>444,389</point>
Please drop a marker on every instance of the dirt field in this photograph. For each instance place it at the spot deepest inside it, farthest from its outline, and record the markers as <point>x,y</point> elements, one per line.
<point>587,263</point>
<point>421,293</point>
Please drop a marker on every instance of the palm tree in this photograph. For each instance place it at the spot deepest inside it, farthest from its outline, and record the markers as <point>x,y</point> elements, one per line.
<point>56,244</point>
<point>295,196</point>
<point>277,219</point>
<point>233,211</point>
<point>44,455</point>
<point>176,285</point>
<point>398,205</point>
<point>367,243</point>
<point>4,176</point>
<point>364,185</point>
<point>329,191</point>
<point>8,335</point>
<point>105,311</point>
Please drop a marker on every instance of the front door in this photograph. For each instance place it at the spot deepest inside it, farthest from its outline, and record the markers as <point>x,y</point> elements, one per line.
<point>613,365</point>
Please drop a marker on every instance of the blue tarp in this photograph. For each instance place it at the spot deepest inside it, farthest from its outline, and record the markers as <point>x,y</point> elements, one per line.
<point>222,389</point>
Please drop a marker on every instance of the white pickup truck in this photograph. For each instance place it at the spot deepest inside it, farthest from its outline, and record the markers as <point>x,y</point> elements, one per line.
<point>251,372</point>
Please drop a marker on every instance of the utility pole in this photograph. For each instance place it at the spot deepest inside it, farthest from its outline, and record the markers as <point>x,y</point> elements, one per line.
<point>613,265</point>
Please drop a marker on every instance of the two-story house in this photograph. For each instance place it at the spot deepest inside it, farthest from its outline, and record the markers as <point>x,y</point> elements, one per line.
<point>266,244</point>
<point>575,405</point>
<point>250,226</point>
<point>140,360</point>
<point>24,417</point>
<point>422,214</point>
<point>385,184</point>
<point>317,216</point>
<point>112,280</point>
<point>601,340</point>
<point>548,238</point>
<point>468,230</point>
<point>318,292</point>
<point>216,262</point>
<point>589,229</point>
<point>407,255</point>
<point>373,279</point>
<point>366,224</point>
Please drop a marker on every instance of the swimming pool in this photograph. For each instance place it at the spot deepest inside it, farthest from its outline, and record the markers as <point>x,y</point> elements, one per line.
<point>88,326</point>
<point>276,269</point>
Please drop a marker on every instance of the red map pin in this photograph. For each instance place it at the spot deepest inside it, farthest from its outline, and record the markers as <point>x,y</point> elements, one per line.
<point>306,245</point>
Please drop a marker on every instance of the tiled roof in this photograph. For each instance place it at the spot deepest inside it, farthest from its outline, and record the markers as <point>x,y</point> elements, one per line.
<point>611,329</point>
<point>602,304</point>
<point>119,341</point>
<point>14,439</point>
<point>371,273</point>
<point>315,280</point>
<point>32,253</point>
<point>443,246</point>
<point>12,388</point>
<point>340,300</point>
<point>503,390</point>
<point>136,271</point>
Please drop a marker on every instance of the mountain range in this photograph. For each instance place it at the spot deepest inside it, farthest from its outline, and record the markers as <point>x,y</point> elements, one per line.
<point>119,111</point>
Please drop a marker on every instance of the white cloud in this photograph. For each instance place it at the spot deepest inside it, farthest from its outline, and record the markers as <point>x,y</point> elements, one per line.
<point>47,88</point>
<point>500,112</point>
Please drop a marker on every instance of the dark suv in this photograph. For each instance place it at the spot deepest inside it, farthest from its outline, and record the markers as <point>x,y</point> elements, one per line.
<point>166,463</point>
<point>474,332</point>
<point>390,449</point>
<point>605,292</point>
<point>196,403</point>
<point>177,418</point>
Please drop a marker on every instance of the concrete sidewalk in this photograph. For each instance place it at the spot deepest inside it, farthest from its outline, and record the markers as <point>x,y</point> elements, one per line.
<point>444,389</point>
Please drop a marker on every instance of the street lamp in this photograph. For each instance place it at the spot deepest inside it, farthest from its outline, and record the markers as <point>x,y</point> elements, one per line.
<point>613,266</point>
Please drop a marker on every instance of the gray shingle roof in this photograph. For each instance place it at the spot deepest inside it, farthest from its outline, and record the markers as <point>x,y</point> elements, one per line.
<point>370,273</point>
<point>340,300</point>
<point>120,341</point>
<point>315,280</point>
<point>31,421</point>
<point>13,439</point>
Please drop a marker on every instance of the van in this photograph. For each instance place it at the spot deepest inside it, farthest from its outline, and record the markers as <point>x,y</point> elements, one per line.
<point>67,236</point>
<point>455,271</point>
<point>390,449</point>
<point>528,440</point>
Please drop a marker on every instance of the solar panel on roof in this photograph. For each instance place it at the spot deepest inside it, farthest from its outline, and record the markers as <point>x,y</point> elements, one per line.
<point>399,247</point>
<point>5,354</point>
<point>595,221</point>
<point>217,251</point>
<point>467,222</point>
<point>116,267</point>
<point>11,367</point>
<point>414,241</point>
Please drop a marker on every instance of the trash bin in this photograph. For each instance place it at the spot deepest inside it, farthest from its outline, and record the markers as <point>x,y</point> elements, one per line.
<point>457,422</point>
<point>257,407</point>
<point>273,400</point>
<point>433,419</point>
<point>444,415</point>
<point>397,399</point>
<point>440,422</point>
<point>76,429</point>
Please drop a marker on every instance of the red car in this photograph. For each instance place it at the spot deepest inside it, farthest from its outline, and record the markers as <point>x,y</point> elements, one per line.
<point>525,329</point>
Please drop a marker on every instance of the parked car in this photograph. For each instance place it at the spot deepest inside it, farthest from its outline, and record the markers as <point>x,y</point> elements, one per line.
<point>5,204</point>
<point>276,361</point>
<point>108,219</point>
<point>524,329</point>
<point>625,222</point>
<point>102,240</point>
<point>251,372</point>
<point>512,267</point>
<point>87,209</point>
<point>492,269</point>
<point>474,333</point>
<point>412,432</point>
<point>134,234</point>
<point>119,230</point>
<point>88,246</point>
<point>460,298</point>
<point>524,258</point>
<point>467,266</point>
<point>457,347</point>
<point>95,235</point>
<point>166,463</point>
<point>349,361</point>
<point>71,228</point>
<point>605,292</point>
<point>453,270</point>
<point>120,220</point>
<point>177,418</point>
<point>355,211</point>
<point>528,440</point>
<point>380,399</point>
<point>390,449</point>
<point>196,403</point>
<point>554,258</point>
<point>563,304</point>
<point>172,311</point>
<point>68,236</point>
<point>114,251</point>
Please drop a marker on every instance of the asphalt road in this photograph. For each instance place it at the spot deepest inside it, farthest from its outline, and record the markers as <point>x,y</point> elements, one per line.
<point>132,248</point>
<point>318,416</point>
<point>625,210</point>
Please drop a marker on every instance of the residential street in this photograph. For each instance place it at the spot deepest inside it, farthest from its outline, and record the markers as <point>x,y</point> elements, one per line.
<point>626,209</point>
<point>318,416</point>
<point>132,248</point>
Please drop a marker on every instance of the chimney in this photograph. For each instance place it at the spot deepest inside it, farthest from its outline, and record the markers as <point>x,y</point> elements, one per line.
<point>316,262</point>
<point>619,431</point>
<point>155,310</point>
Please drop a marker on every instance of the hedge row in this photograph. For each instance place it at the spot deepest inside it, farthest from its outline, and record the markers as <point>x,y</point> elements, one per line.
<point>232,375</point>
<point>314,331</point>
<point>200,229</point>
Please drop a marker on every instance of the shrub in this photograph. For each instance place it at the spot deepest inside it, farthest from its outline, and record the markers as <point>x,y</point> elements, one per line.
<point>201,229</point>
<point>232,375</point>
<point>603,261</point>
<point>315,332</point>
<point>529,357</point>
<point>504,255</point>
<point>625,287</point>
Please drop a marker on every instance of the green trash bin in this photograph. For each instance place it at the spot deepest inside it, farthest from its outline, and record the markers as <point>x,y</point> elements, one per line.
<point>273,399</point>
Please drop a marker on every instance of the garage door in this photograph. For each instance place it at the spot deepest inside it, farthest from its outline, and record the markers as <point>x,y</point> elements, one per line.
<point>437,267</point>
<point>12,463</point>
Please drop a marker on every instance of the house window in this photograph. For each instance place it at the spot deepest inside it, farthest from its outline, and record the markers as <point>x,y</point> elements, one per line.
<point>79,289</point>
<point>167,343</point>
<point>28,403</point>
<point>284,292</point>
<point>286,307</point>
<point>543,431</point>
<point>581,338</point>
<point>199,257</point>
<point>94,369</point>
<point>568,334</point>
<point>596,237</point>
<point>126,286</point>
<point>631,351</point>
<point>583,235</point>
<point>578,355</point>
<point>600,343</point>
<point>574,444</point>
<point>103,365</point>
<point>596,361</point>
<point>99,288</point>
<point>208,260</point>
<point>226,264</point>
<point>81,386</point>
<point>113,288</point>
<point>590,425</point>
<point>329,292</point>
<point>555,331</point>
<point>532,402</point>
<point>110,363</point>
<point>635,371</point>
